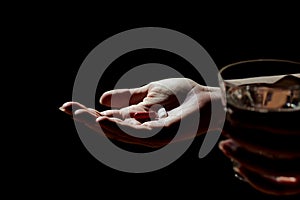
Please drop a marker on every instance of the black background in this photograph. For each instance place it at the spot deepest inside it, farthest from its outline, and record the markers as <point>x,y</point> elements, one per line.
<point>54,44</point>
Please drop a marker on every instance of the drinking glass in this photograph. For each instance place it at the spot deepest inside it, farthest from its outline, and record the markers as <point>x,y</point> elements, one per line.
<point>262,103</point>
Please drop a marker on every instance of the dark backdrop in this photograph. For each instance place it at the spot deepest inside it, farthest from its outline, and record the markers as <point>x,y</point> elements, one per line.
<point>57,162</point>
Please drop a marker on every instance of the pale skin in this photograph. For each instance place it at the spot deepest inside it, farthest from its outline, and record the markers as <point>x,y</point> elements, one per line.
<point>182,98</point>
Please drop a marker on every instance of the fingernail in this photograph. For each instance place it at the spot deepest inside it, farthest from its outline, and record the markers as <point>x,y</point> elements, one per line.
<point>67,108</point>
<point>62,109</point>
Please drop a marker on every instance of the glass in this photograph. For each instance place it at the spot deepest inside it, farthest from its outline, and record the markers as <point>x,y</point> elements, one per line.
<point>262,102</point>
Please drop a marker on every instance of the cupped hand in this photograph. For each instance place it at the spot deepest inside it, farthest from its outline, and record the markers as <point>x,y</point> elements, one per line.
<point>171,100</point>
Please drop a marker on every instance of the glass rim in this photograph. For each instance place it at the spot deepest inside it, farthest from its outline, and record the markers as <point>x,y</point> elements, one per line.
<point>228,81</point>
<point>257,60</point>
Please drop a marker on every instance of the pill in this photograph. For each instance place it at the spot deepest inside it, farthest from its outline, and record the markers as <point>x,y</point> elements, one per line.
<point>144,115</point>
<point>162,113</point>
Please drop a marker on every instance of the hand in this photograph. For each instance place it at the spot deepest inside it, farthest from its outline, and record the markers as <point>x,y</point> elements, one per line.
<point>180,97</point>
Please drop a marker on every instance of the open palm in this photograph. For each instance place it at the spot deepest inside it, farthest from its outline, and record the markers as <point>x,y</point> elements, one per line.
<point>179,97</point>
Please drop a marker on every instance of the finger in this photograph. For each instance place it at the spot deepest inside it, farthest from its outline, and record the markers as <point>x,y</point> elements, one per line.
<point>71,106</point>
<point>124,97</point>
<point>270,185</point>
<point>85,115</point>
<point>112,127</point>
<point>258,162</point>
<point>131,121</point>
<point>88,118</point>
<point>116,124</point>
<point>95,112</point>
<point>112,113</point>
<point>92,120</point>
<point>124,113</point>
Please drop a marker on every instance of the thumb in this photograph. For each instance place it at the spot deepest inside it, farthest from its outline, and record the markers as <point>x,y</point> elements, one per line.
<point>124,97</point>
